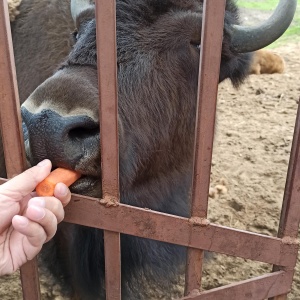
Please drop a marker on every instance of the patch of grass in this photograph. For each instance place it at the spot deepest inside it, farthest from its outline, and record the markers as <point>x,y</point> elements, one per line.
<point>261,5</point>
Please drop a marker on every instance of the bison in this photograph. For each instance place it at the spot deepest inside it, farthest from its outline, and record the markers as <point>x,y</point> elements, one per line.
<point>266,62</point>
<point>158,49</point>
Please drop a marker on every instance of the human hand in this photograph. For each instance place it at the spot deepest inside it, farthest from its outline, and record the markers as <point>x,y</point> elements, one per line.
<point>28,221</point>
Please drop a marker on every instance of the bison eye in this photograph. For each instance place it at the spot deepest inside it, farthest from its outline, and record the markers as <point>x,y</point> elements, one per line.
<point>75,35</point>
<point>196,45</point>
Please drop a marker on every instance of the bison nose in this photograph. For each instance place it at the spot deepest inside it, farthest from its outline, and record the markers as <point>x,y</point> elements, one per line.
<point>65,140</point>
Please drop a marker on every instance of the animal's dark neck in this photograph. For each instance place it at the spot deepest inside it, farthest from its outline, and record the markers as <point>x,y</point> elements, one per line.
<point>168,193</point>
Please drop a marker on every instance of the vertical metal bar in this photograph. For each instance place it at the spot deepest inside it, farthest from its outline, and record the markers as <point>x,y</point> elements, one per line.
<point>30,281</point>
<point>210,58</point>
<point>10,119</point>
<point>107,74</point>
<point>290,213</point>
<point>9,100</point>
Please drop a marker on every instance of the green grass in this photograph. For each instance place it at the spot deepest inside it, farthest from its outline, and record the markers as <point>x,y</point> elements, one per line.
<point>291,34</point>
<point>261,5</point>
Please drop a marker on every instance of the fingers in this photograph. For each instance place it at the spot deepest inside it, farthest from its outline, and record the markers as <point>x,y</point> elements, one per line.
<point>23,184</point>
<point>39,224</point>
<point>63,193</point>
<point>46,219</point>
<point>34,231</point>
<point>40,220</point>
<point>38,207</point>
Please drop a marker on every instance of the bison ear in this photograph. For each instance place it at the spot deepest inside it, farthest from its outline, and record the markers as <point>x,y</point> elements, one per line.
<point>78,6</point>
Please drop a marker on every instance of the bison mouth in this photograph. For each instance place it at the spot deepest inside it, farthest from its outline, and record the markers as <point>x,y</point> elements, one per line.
<point>88,186</point>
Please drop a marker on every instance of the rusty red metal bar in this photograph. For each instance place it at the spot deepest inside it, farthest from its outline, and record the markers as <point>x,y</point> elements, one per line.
<point>209,69</point>
<point>9,100</point>
<point>136,221</point>
<point>10,119</point>
<point>108,115</point>
<point>258,288</point>
<point>182,231</point>
<point>290,213</point>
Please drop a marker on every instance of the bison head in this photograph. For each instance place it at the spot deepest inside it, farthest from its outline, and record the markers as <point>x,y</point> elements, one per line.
<point>158,47</point>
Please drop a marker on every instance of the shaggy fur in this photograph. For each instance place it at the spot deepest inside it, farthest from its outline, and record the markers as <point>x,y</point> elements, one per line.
<point>158,45</point>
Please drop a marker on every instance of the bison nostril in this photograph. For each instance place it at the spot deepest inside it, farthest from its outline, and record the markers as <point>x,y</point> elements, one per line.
<point>81,133</point>
<point>63,139</point>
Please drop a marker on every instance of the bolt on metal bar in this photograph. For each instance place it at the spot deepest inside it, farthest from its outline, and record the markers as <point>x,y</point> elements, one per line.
<point>108,114</point>
<point>13,143</point>
<point>209,69</point>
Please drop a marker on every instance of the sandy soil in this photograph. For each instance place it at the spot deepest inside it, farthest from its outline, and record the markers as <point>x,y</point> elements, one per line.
<point>251,152</point>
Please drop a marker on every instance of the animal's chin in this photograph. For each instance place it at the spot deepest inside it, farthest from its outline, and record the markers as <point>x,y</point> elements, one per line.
<point>88,186</point>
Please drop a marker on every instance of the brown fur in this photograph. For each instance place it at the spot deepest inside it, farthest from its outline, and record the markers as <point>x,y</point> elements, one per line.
<point>266,62</point>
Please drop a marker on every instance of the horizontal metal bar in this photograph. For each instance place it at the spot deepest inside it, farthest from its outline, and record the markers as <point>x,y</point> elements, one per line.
<point>189,232</point>
<point>195,233</point>
<point>257,288</point>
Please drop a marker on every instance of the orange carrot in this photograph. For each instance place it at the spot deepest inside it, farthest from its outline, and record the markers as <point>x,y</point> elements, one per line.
<point>46,187</point>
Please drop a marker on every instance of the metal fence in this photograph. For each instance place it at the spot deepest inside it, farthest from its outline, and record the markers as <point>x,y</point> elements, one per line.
<point>195,232</point>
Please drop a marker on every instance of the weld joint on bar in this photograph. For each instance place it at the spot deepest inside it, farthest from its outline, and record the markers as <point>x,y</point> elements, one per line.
<point>197,221</point>
<point>288,240</point>
<point>194,293</point>
<point>109,201</point>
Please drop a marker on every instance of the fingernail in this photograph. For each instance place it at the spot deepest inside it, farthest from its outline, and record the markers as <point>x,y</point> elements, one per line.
<point>22,221</point>
<point>62,189</point>
<point>36,213</point>
<point>38,201</point>
<point>43,163</point>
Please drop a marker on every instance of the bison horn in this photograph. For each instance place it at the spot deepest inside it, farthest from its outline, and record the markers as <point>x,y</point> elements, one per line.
<point>78,6</point>
<point>248,39</point>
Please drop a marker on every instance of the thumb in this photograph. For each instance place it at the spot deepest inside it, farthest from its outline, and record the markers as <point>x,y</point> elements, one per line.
<point>26,182</point>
